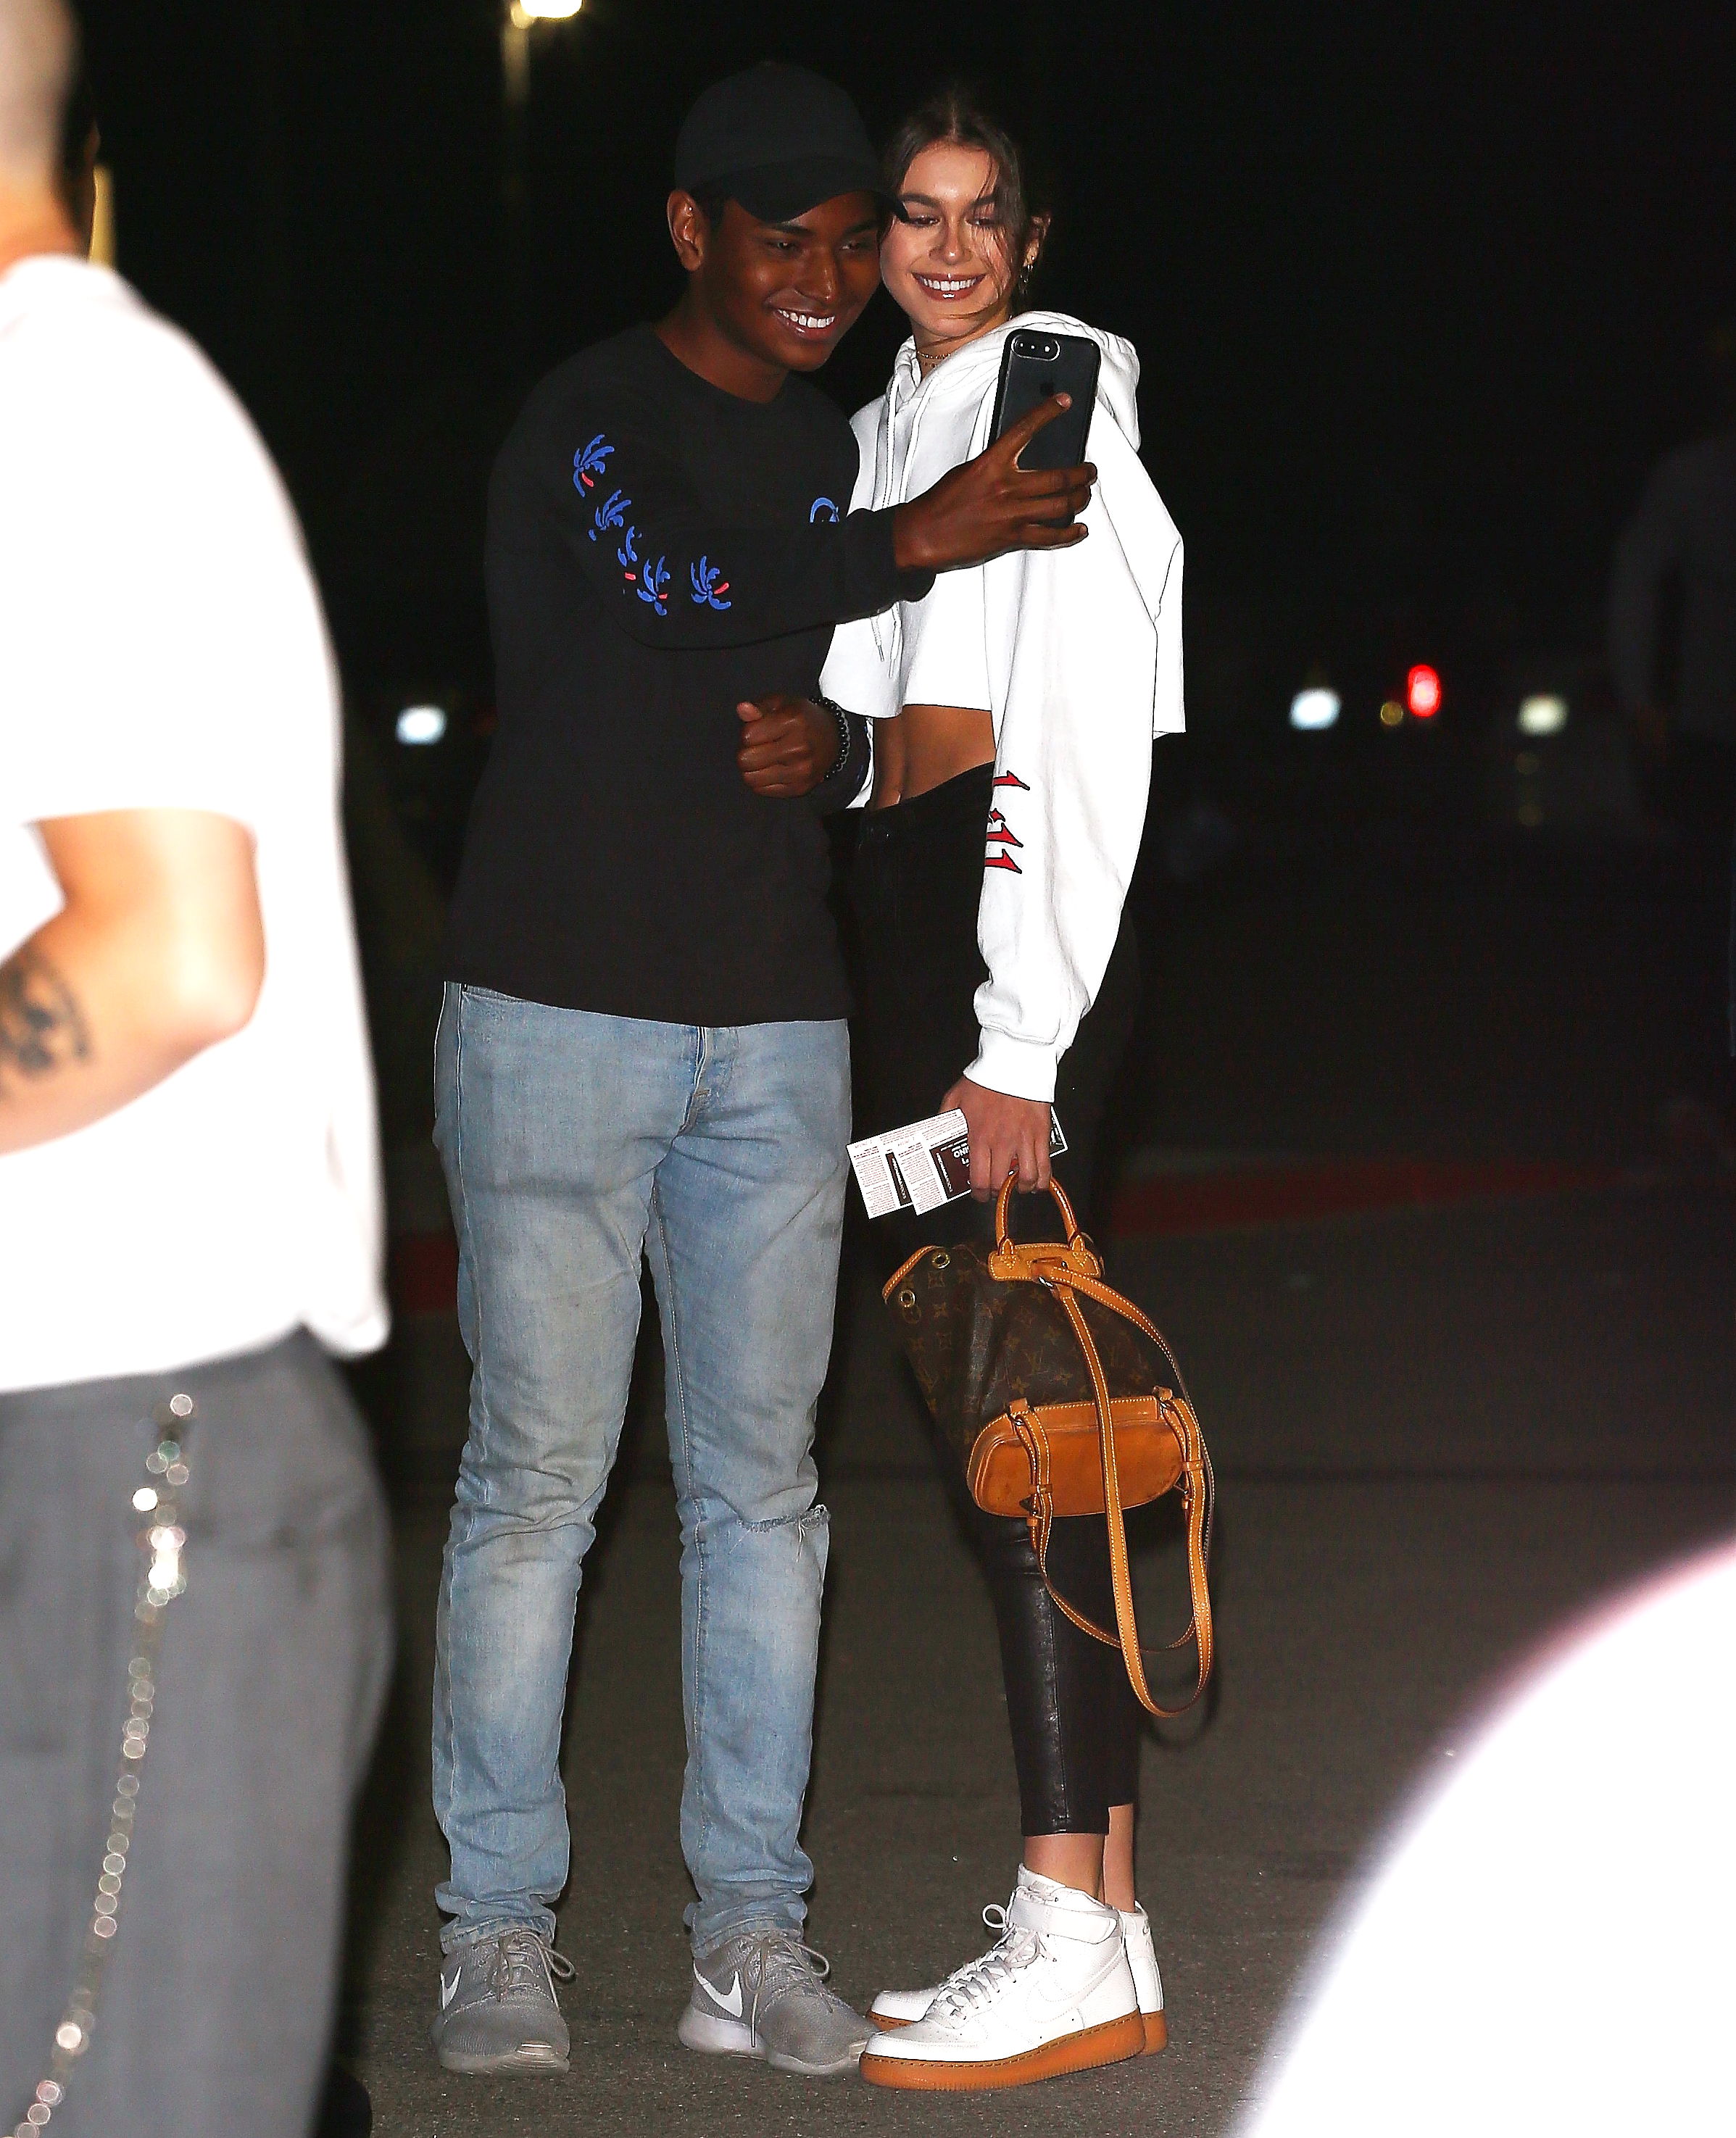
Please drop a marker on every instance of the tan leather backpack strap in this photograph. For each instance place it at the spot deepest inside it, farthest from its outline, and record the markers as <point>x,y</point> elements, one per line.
<point>1195,1491</point>
<point>1041,1518</point>
<point>1034,1441</point>
<point>1203,1482</point>
<point>1040,1513</point>
<point>1067,1610</point>
<point>1105,1296</point>
<point>1042,1523</point>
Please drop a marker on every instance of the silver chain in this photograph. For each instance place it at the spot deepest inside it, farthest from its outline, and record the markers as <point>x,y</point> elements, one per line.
<point>163,1544</point>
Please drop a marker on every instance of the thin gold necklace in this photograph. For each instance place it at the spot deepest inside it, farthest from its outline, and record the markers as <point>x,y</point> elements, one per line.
<point>927,358</point>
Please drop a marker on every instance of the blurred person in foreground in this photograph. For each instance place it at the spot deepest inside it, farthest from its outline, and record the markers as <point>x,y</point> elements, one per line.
<point>1675,565</point>
<point>1015,711</point>
<point>193,1608</point>
<point>643,1051</point>
<point>1545,1947</point>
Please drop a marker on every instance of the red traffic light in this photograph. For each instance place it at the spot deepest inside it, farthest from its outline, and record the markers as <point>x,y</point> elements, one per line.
<point>1422,693</point>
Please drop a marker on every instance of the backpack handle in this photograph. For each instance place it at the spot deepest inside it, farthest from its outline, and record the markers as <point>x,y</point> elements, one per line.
<point>1004,1211</point>
<point>1034,1261</point>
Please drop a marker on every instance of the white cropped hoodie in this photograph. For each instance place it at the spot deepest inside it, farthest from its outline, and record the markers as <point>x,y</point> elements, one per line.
<point>1075,653</point>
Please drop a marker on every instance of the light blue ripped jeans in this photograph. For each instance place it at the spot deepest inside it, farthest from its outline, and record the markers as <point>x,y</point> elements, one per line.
<point>574,1143</point>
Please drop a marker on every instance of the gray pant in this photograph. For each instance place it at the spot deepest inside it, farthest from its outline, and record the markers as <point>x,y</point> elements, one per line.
<point>216,2007</point>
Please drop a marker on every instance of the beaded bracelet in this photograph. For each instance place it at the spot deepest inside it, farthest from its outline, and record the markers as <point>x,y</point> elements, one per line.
<point>846,737</point>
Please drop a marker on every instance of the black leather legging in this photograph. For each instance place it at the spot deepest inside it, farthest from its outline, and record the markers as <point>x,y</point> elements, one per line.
<point>915,885</point>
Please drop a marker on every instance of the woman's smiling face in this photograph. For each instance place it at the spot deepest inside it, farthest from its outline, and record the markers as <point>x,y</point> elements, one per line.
<point>947,257</point>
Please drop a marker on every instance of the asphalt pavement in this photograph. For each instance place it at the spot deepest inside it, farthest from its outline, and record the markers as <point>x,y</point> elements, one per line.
<point>1442,1428</point>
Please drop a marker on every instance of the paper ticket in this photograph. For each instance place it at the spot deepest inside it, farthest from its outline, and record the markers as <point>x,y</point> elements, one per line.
<point>922,1166</point>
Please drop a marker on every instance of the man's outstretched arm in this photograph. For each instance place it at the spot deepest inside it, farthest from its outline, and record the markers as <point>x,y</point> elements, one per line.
<point>158,953</point>
<point>673,577</point>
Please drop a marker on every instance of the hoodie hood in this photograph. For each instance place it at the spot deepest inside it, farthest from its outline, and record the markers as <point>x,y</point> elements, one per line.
<point>971,372</point>
<point>923,426</point>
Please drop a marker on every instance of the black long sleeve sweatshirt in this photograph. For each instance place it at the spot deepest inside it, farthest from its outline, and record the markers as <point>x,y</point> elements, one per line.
<point>659,551</point>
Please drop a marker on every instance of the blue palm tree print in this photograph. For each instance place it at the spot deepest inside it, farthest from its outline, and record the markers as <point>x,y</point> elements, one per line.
<point>612,512</point>
<point>649,582</point>
<point>654,585</point>
<point>628,557</point>
<point>709,585</point>
<point>588,462</point>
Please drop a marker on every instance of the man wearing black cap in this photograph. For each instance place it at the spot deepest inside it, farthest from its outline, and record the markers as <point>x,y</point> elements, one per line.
<point>644,1051</point>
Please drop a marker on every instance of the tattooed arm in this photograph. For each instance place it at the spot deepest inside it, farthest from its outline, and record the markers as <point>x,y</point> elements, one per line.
<point>158,953</point>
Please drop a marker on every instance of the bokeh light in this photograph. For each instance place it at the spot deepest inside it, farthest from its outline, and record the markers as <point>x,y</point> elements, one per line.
<point>1315,708</point>
<point>1542,713</point>
<point>421,724</point>
<point>1422,692</point>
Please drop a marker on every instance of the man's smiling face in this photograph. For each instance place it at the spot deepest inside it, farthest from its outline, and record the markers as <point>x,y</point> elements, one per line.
<point>787,292</point>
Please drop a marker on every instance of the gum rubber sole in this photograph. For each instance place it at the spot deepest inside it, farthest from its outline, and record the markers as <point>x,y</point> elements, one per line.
<point>1156,2030</point>
<point>1112,2043</point>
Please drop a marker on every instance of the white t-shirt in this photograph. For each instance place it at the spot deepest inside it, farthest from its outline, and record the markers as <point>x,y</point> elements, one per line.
<point>162,647</point>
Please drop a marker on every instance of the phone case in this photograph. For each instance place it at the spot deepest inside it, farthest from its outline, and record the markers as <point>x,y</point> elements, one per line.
<point>1034,365</point>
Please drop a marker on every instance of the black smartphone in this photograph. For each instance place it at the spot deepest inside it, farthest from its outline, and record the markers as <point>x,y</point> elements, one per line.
<point>1034,365</point>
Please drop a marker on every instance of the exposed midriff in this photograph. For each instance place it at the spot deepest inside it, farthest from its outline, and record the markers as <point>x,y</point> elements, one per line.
<point>926,745</point>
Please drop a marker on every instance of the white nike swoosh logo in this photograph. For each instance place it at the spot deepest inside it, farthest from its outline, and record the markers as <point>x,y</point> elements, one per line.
<point>448,1990</point>
<point>731,2004</point>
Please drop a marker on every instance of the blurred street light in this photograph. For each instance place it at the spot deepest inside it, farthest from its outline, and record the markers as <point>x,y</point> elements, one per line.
<point>1544,714</point>
<point>1422,692</point>
<point>420,726</point>
<point>519,20</point>
<point>1316,707</point>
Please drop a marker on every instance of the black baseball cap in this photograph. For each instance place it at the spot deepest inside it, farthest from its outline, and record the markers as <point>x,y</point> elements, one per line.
<point>780,139</point>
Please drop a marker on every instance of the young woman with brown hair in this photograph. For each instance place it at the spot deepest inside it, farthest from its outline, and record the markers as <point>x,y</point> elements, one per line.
<point>1016,708</point>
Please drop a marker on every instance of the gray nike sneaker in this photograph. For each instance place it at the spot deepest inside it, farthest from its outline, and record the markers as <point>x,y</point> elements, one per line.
<point>763,1993</point>
<point>497,2009</point>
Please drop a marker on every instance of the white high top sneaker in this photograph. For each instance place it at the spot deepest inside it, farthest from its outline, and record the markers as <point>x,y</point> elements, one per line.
<point>1056,1994</point>
<point>902,2008</point>
<point>1136,1930</point>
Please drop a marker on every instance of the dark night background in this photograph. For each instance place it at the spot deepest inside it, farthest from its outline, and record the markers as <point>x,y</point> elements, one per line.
<point>1423,1153</point>
<point>1419,291</point>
